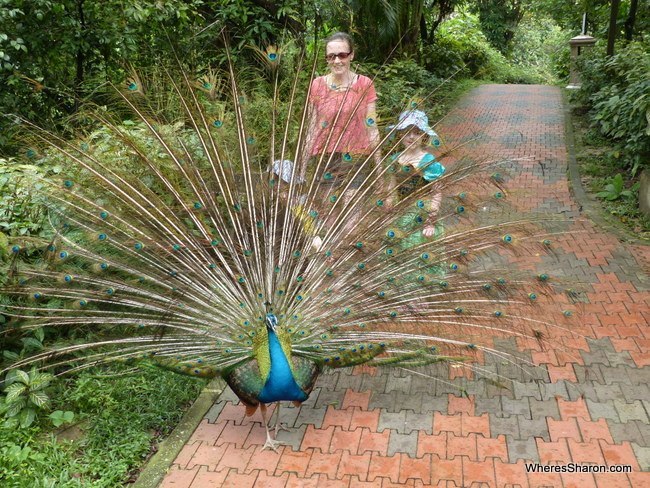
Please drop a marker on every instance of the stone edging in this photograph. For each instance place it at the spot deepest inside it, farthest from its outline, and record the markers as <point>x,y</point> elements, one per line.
<point>589,205</point>
<point>156,468</point>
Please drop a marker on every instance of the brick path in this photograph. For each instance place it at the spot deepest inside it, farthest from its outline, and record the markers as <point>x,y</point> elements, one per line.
<point>382,429</point>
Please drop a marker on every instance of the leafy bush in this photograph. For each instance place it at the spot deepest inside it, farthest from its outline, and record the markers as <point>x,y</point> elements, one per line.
<point>21,211</point>
<point>461,49</point>
<point>400,81</point>
<point>117,416</point>
<point>616,90</point>
<point>541,46</point>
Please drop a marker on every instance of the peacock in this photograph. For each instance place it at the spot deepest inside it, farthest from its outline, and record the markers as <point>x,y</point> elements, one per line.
<point>189,229</point>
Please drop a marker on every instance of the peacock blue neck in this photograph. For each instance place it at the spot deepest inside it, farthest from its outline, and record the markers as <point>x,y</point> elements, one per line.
<point>280,384</point>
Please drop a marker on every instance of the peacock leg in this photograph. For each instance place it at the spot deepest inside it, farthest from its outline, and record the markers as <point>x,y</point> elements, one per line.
<point>278,426</point>
<point>270,442</point>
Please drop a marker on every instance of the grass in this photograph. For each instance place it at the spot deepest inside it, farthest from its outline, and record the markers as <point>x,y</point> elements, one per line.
<point>598,165</point>
<point>120,415</point>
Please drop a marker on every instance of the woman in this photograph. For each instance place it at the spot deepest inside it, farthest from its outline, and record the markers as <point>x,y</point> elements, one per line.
<point>343,122</point>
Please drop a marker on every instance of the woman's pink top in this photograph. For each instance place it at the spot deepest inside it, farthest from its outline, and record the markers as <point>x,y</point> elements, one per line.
<point>327,103</point>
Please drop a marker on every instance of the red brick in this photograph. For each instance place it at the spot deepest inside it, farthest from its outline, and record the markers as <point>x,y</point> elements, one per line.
<point>264,460</point>
<point>462,446</point>
<point>638,479</point>
<point>179,478</point>
<point>432,444</point>
<point>317,438</point>
<point>357,483</point>
<point>616,480</point>
<point>488,447</point>
<point>478,472</point>
<point>294,461</point>
<point>478,425</point>
<point>208,479</point>
<point>415,468</point>
<point>364,418</point>
<point>352,464</point>
<point>384,466</point>
<point>207,432</point>
<point>354,399</point>
<point>324,482</point>
<point>334,417</point>
<point>207,455</point>
<point>552,452</point>
<point>238,480</point>
<point>186,454</point>
<point>510,475</point>
<point>619,454</point>
<point>578,480</point>
<point>294,481</point>
<point>460,405</point>
<point>559,429</point>
<point>557,373</point>
<point>235,458</point>
<point>235,434</point>
<point>544,480</point>
<point>374,441</point>
<point>387,483</point>
<point>446,469</point>
<point>345,440</point>
<point>271,481</point>
<point>585,452</point>
<point>323,463</point>
<point>446,423</point>
<point>597,429</point>
<point>569,409</point>
<point>235,413</point>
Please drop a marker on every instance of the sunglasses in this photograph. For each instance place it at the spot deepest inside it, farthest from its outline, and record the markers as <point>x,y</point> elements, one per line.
<point>332,57</point>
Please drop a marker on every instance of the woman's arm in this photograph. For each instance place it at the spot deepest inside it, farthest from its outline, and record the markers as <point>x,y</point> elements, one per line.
<point>373,132</point>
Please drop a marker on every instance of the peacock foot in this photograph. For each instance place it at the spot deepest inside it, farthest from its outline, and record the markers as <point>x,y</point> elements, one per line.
<point>280,426</point>
<point>272,444</point>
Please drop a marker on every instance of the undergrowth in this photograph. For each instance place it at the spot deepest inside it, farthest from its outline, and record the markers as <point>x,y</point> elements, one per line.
<point>119,414</point>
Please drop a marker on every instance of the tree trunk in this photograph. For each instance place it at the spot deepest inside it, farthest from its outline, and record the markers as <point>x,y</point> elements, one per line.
<point>631,19</point>
<point>611,35</point>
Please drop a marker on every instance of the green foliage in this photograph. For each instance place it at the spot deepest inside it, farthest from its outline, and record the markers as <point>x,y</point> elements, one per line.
<point>615,189</point>
<point>462,50</point>
<point>616,91</point>
<point>24,396</point>
<point>499,20</point>
<point>21,210</point>
<point>540,46</point>
<point>59,417</point>
<point>118,415</point>
<point>400,81</point>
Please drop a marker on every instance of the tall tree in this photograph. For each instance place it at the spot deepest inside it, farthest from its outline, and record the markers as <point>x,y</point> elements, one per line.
<point>631,19</point>
<point>499,20</point>
<point>613,27</point>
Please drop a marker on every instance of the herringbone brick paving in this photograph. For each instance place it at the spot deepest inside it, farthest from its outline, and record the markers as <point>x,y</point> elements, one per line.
<point>588,403</point>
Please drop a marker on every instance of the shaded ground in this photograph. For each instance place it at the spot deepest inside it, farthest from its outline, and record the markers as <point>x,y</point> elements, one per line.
<point>589,404</point>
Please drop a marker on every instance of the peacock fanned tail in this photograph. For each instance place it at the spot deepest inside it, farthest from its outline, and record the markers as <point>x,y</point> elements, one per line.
<point>173,238</point>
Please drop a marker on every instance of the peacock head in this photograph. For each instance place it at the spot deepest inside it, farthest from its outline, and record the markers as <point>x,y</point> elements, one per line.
<point>271,322</point>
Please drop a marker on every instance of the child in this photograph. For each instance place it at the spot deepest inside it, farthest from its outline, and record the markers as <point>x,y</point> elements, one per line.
<point>416,167</point>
